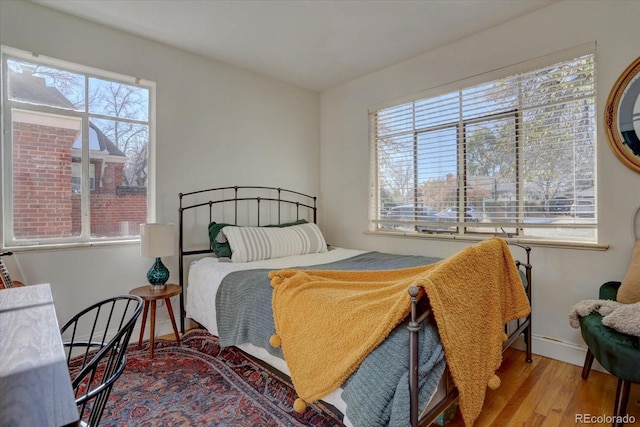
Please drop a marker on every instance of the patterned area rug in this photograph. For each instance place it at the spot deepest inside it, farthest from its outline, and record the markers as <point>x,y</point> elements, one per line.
<point>197,384</point>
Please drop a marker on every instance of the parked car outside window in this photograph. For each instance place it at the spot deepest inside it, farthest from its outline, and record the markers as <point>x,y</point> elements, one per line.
<point>560,205</point>
<point>451,214</point>
<point>411,213</point>
<point>584,208</point>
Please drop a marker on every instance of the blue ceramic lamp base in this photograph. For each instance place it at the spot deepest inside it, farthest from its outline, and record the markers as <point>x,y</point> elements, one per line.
<point>158,275</point>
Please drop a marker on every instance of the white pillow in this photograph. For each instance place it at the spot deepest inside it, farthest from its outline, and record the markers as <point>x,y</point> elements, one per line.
<point>256,243</point>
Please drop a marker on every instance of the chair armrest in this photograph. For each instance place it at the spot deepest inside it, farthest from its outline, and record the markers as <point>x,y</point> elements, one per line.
<point>609,290</point>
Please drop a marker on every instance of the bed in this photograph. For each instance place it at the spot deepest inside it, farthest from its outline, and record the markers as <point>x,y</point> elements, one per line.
<point>235,296</point>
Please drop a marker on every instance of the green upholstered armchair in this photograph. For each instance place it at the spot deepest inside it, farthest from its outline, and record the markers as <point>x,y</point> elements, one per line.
<point>618,353</point>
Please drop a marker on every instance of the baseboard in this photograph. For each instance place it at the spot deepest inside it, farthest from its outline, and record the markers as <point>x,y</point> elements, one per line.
<point>559,350</point>
<point>163,327</point>
<point>543,346</point>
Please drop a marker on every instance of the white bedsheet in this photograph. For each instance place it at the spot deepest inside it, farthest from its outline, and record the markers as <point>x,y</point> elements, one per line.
<point>205,276</point>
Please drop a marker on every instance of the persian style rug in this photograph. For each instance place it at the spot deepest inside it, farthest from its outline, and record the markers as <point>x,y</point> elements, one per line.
<point>198,384</point>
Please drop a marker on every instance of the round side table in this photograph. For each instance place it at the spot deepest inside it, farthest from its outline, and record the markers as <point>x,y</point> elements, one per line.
<point>150,297</point>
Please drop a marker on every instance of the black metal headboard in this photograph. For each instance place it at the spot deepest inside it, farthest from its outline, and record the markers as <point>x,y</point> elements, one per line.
<point>255,204</point>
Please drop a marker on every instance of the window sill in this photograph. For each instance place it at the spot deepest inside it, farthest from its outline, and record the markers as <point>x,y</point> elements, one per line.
<point>467,238</point>
<point>66,246</point>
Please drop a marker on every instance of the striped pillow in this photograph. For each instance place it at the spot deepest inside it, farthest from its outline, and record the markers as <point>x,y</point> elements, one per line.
<point>256,243</point>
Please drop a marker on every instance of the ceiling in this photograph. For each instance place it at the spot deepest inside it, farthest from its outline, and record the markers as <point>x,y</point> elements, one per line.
<point>317,44</point>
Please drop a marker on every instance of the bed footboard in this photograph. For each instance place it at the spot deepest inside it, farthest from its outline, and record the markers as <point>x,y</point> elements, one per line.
<point>417,316</point>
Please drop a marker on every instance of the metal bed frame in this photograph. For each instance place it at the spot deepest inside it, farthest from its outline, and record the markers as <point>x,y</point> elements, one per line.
<point>212,197</point>
<point>218,196</point>
<point>417,316</point>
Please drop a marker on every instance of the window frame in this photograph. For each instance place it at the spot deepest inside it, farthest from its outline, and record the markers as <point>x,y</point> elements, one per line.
<point>461,232</point>
<point>6,189</point>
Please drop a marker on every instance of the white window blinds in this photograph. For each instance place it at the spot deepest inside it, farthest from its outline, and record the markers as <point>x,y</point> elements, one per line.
<point>513,155</point>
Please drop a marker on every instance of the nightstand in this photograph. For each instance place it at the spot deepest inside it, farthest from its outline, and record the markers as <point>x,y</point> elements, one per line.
<point>150,297</point>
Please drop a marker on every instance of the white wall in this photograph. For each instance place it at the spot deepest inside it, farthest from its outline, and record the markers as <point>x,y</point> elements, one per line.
<point>562,277</point>
<point>217,125</point>
<point>220,125</point>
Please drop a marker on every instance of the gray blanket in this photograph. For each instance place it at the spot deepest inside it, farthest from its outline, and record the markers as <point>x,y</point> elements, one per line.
<point>244,315</point>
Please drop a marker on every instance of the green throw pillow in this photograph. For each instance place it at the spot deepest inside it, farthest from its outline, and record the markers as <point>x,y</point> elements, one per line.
<point>220,246</point>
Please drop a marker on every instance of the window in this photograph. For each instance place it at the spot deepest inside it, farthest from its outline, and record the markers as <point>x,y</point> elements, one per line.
<point>75,152</point>
<point>76,176</point>
<point>514,155</point>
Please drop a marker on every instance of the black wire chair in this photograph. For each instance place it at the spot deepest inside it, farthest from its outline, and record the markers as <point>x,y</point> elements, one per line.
<point>5,278</point>
<point>95,341</point>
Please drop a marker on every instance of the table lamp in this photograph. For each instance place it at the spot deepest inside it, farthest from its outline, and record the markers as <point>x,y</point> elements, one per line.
<point>156,241</point>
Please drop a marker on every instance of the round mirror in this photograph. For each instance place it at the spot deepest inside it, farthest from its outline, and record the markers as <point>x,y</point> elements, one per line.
<point>622,117</point>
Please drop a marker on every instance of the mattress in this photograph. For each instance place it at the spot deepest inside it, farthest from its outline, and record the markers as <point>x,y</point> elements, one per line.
<point>205,276</point>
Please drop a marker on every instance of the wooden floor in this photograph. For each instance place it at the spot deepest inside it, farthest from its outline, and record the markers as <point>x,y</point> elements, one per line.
<point>548,393</point>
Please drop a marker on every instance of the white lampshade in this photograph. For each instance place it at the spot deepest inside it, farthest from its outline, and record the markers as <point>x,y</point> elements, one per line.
<point>157,240</point>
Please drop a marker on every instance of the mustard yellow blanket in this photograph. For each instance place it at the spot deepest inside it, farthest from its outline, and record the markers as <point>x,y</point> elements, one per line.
<point>327,322</point>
